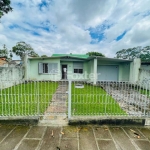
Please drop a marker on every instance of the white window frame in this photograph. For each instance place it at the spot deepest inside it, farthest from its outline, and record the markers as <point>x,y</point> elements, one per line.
<point>77,66</point>
<point>52,68</point>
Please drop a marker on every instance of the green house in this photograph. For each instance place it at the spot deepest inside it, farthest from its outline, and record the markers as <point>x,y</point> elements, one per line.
<point>81,67</point>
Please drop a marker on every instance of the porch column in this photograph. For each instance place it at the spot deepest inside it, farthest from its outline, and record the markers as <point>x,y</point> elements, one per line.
<point>95,71</point>
<point>134,70</point>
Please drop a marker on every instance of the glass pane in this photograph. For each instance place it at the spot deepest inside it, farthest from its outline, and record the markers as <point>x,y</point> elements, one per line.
<point>80,70</point>
<point>75,70</point>
<point>45,68</point>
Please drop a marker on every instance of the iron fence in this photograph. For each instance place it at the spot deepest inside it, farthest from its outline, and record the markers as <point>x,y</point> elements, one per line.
<point>119,99</point>
<point>33,98</point>
<point>74,98</point>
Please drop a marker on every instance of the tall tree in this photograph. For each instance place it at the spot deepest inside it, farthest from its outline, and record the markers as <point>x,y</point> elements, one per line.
<point>135,52</point>
<point>4,7</point>
<point>23,48</point>
<point>95,54</point>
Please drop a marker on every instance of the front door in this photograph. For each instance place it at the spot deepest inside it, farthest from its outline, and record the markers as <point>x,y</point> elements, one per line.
<point>64,71</point>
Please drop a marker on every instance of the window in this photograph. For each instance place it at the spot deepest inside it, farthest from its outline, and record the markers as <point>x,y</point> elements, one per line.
<point>50,68</point>
<point>78,67</point>
<point>45,67</point>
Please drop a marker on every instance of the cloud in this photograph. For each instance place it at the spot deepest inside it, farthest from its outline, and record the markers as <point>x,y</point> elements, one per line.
<point>77,26</point>
<point>92,12</point>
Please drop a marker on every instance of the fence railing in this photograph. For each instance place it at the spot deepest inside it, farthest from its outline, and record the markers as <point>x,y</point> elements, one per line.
<point>110,99</point>
<point>75,98</point>
<point>33,98</point>
<point>144,77</point>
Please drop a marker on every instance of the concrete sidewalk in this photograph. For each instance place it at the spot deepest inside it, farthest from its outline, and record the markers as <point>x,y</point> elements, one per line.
<point>91,137</point>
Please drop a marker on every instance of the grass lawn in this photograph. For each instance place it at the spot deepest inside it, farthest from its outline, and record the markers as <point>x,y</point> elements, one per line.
<point>26,99</point>
<point>93,100</point>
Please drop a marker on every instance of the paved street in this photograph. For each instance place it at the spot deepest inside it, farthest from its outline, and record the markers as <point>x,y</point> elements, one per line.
<point>92,137</point>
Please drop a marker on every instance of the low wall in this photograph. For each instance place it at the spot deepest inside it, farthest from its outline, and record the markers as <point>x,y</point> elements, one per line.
<point>10,76</point>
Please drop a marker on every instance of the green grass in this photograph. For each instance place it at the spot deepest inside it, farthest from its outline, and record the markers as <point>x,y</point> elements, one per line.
<point>93,100</point>
<point>33,97</point>
<point>145,92</point>
<point>26,99</point>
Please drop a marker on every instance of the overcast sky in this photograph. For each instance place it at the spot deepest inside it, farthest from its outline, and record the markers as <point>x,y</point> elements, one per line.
<point>77,26</point>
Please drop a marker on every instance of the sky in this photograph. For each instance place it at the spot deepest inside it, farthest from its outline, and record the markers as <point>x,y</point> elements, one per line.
<point>77,26</point>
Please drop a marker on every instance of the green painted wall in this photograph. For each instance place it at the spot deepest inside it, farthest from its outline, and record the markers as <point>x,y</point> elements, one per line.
<point>134,70</point>
<point>75,76</point>
<point>100,62</point>
<point>88,70</point>
<point>33,72</point>
<point>124,69</point>
<point>145,67</point>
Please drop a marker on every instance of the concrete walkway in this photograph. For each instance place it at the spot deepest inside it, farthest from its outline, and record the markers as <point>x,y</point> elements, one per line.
<point>92,137</point>
<point>56,112</point>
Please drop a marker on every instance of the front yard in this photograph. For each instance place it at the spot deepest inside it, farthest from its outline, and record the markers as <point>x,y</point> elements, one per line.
<point>26,99</point>
<point>93,100</point>
<point>33,98</point>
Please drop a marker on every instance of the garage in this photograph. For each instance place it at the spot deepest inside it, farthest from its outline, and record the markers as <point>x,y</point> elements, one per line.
<point>107,72</point>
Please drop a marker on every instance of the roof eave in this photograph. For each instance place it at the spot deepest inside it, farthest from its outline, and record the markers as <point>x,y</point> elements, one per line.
<point>106,58</point>
<point>57,57</point>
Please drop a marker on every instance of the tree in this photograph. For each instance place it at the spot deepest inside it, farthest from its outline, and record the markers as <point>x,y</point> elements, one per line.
<point>22,48</point>
<point>95,54</point>
<point>4,52</point>
<point>135,52</point>
<point>44,56</point>
<point>4,7</point>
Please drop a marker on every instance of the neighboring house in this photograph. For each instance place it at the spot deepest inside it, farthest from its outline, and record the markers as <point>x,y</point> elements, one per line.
<point>144,73</point>
<point>14,63</point>
<point>11,63</point>
<point>145,65</point>
<point>17,62</point>
<point>81,67</point>
<point>3,62</point>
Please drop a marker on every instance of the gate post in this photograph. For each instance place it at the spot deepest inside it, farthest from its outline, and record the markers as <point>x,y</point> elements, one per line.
<point>38,96</point>
<point>69,100</point>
